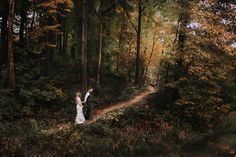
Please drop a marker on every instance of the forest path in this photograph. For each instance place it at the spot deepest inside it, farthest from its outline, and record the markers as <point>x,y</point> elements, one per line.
<point>100,113</point>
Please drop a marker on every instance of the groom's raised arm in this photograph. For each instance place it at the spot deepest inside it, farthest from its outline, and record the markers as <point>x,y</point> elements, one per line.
<point>86,97</point>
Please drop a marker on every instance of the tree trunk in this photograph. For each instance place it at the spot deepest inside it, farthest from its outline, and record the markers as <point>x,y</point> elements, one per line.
<point>100,51</point>
<point>84,44</point>
<point>77,34</point>
<point>142,82</point>
<point>183,22</point>
<point>65,40</point>
<point>59,43</point>
<point>122,40</point>
<point>50,49</point>
<point>10,44</point>
<point>32,21</point>
<point>138,56</point>
<point>4,48</point>
<point>22,24</point>
<point>117,62</point>
<point>176,34</point>
<point>181,39</point>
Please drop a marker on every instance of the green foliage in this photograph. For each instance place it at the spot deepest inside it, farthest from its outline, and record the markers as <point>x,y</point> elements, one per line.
<point>194,76</point>
<point>34,90</point>
<point>100,129</point>
<point>229,88</point>
<point>9,105</point>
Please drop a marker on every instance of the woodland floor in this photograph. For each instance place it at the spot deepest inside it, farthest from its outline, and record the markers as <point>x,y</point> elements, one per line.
<point>99,113</point>
<point>124,128</point>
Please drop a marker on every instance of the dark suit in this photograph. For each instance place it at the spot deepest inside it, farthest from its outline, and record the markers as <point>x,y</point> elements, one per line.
<point>88,107</point>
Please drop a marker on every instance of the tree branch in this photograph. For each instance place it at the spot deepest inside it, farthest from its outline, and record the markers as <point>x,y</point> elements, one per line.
<point>144,7</point>
<point>131,20</point>
<point>113,6</point>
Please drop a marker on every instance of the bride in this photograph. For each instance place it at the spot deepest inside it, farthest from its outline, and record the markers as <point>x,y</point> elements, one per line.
<point>79,107</point>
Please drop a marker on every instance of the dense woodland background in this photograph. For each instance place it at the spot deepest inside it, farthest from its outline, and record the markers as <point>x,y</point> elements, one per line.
<point>50,49</point>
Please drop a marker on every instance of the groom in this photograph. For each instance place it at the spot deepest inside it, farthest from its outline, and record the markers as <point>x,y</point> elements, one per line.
<point>87,101</point>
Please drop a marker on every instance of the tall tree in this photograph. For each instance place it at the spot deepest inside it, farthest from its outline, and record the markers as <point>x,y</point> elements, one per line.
<point>10,43</point>
<point>84,43</point>
<point>183,21</point>
<point>100,43</point>
<point>3,55</point>
<point>65,37</point>
<point>148,62</point>
<point>201,64</point>
<point>102,13</point>
<point>138,31</point>
<point>23,18</point>
<point>49,25</point>
<point>77,35</point>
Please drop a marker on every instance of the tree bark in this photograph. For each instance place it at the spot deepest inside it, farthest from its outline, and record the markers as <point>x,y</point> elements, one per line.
<point>184,18</point>
<point>100,51</point>
<point>32,21</point>
<point>10,44</point>
<point>50,49</point>
<point>59,43</point>
<point>65,40</point>
<point>138,56</point>
<point>183,22</point>
<point>84,44</point>
<point>142,82</point>
<point>4,50</point>
<point>22,24</point>
<point>77,34</point>
<point>122,40</point>
<point>117,62</point>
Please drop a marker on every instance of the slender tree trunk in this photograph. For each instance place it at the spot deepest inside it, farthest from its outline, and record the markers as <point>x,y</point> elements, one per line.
<point>122,40</point>
<point>176,34</point>
<point>77,38</point>
<point>181,38</point>
<point>22,24</point>
<point>29,30</point>
<point>4,48</point>
<point>117,62</point>
<point>32,22</point>
<point>167,73</point>
<point>100,51</point>
<point>77,53</point>
<point>183,22</point>
<point>59,43</point>
<point>84,44</point>
<point>10,44</point>
<point>48,53</point>
<point>50,50</point>
<point>65,40</point>
<point>149,61</point>
<point>138,56</point>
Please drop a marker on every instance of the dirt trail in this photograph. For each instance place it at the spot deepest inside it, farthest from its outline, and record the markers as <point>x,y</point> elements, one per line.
<point>132,101</point>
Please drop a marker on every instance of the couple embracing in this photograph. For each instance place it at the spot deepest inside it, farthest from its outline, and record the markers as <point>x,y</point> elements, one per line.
<point>80,118</point>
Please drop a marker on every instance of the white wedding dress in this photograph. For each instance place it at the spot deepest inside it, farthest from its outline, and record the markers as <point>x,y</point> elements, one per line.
<point>79,116</point>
